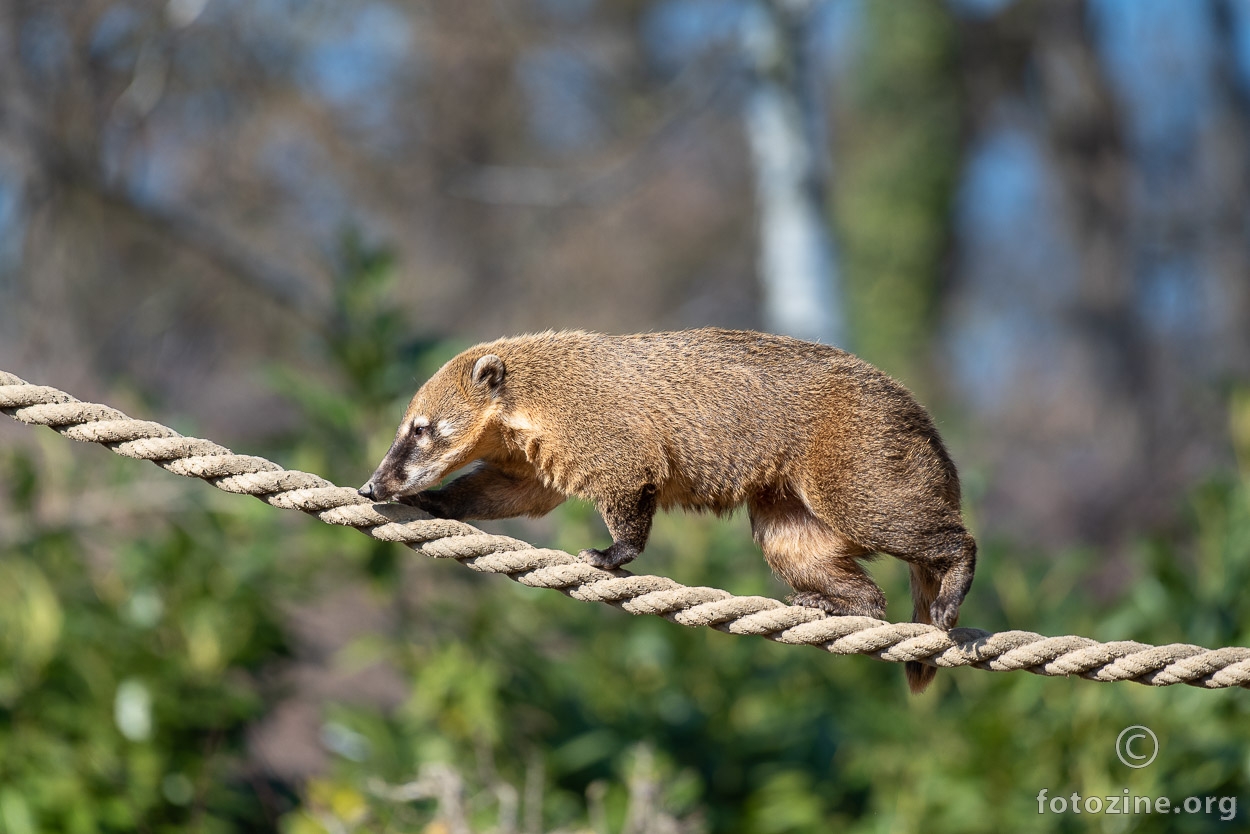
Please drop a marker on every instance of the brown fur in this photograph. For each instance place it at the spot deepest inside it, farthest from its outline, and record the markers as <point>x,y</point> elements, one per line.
<point>834,460</point>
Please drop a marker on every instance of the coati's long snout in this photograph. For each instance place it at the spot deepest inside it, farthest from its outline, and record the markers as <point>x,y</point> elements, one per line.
<point>379,488</point>
<point>390,480</point>
<point>381,485</point>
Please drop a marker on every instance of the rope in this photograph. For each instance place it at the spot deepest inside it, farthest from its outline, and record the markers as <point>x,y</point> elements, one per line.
<point>543,568</point>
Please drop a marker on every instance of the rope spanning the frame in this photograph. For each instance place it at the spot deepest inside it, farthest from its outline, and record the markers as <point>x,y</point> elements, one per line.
<point>543,568</point>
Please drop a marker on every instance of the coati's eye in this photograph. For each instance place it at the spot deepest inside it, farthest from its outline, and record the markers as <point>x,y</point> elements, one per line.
<point>418,431</point>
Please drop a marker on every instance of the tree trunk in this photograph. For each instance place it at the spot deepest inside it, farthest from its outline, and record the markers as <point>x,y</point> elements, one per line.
<point>798,269</point>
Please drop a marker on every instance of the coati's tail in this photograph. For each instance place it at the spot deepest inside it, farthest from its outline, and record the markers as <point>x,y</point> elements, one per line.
<point>937,594</point>
<point>925,585</point>
<point>919,676</point>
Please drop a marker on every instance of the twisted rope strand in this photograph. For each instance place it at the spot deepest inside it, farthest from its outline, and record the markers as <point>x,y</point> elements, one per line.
<point>543,568</point>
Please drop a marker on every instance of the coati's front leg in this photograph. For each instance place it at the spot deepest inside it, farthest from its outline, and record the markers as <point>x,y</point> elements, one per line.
<point>488,492</point>
<point>629,521</point>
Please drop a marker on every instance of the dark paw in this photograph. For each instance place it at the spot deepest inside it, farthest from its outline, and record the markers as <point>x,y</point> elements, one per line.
<point>612,558</point>
<point>428,501</point>
<point>838,606</point>
<point>944,615</point>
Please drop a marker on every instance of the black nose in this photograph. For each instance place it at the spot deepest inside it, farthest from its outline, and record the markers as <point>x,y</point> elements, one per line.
<point>367,489</point>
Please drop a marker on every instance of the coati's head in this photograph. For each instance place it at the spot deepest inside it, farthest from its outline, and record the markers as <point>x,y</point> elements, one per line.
<point>444,428</point>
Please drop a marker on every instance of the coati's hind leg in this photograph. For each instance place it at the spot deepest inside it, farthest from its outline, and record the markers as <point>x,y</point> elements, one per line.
<point>629,520</point>
<point>941,576</point>
<point>814,559</point>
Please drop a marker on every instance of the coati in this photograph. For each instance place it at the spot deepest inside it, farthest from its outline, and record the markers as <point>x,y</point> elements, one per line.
<point>834,460</point>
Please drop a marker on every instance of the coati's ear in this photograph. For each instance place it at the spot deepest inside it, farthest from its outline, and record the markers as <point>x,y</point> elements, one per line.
<point>488,373</point>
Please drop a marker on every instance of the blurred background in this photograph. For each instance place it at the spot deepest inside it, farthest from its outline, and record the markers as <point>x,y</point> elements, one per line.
<point>267,221</point>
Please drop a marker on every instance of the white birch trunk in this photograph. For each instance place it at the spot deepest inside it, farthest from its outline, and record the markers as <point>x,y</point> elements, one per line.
<point>798,269</point>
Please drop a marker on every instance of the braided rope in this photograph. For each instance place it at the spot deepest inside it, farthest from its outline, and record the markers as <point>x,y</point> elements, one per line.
<point>543,568</point>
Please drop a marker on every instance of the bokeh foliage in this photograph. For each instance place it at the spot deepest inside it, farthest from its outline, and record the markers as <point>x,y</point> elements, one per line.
<point>899,159</point>
<point>142,645</point>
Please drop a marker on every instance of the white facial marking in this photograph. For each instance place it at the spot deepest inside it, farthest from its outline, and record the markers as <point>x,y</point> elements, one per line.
<point>519,421</point>
<point>421,422</point>
<point>445,462</point>
<point>423,476</point>
<point>417,478</point>
<point>446,427</point>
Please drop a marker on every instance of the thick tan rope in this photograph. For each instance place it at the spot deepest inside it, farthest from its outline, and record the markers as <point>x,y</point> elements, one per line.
<point>543,568</point>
